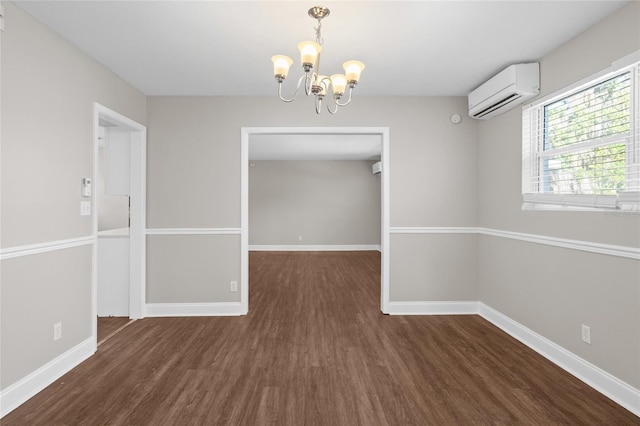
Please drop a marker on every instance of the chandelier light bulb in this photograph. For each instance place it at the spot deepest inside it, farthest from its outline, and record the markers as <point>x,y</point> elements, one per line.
<point>352,70</point>
<point>339,84</point>
<point>281,65</point>
<point>309,51</point>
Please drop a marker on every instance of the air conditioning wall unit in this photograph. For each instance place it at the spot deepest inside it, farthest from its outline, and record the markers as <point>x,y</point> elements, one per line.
<point>376,168</point>
<point>504,91</point>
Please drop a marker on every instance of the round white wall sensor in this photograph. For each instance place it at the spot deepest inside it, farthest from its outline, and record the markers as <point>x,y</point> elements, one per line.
<point>455,118</point>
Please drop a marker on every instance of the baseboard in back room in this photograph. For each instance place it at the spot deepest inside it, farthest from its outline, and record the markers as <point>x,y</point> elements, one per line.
<point>352,247</point>
<point>433,308</point>
<point>194,309</point>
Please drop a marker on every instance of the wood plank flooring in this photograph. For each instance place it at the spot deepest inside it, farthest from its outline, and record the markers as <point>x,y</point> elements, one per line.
<point>315,350</point>
<point>109,326</point>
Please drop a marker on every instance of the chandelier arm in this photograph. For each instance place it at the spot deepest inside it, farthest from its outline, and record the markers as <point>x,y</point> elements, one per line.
<point>308,82</point>
<point>348,100</point>
<point>294,93</point>
<point>334,110</point>
<point>318,104</point>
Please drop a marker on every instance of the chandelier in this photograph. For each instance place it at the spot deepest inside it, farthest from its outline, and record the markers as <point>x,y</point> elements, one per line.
<point>315,83</point>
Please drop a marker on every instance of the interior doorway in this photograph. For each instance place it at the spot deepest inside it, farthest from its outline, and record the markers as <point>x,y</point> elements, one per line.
<point>246,136</point>
<point>124,245</point>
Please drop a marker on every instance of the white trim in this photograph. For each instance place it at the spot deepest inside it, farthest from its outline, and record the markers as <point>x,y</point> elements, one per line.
<point>434,230</point>
<point>371,247</point>
<point>244,218</point>
<point>194,231</point>
<point>138,224</point>
<point>138,210</point>
<point>588,246</point>
<point>385,274</point>
<point>610,386</point>
<point>18,393</point>
<point>608,249</point>
<point>31,249</point>
<point>433,308</point>
<point>246,132</point>
<point>194,309</point>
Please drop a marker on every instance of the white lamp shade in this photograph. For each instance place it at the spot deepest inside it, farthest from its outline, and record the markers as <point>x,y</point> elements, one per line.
<point>352,70</point>
<point>309,51</point>
<point>338,83</point>
<point>281,65</point>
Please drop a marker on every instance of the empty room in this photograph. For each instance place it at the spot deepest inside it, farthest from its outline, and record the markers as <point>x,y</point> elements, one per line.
<point>337,213</point>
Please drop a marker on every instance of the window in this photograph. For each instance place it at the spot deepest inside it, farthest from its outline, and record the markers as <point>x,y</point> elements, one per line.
<point>581,147</point>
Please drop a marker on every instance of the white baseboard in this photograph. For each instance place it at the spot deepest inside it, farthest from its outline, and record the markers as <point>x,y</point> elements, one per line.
<point>219,309</point>
<point>610,386</point>
<point>21,391</point>
<point>295,247</point>
<point>433,308</point>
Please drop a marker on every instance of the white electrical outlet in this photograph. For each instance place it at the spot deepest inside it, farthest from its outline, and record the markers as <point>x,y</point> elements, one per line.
<point>85,208</point>
<point>586,334</point>
<point>233,286</point>
<point>57,331</point>
<point>299,237</point>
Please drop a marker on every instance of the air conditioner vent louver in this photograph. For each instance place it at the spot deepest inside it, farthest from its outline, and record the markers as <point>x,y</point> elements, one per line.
<point>506,90</point>
<point>497,105</point>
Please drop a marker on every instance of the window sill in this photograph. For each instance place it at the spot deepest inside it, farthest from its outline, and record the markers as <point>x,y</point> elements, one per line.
<point>623,204</point>
<point>635,211</point>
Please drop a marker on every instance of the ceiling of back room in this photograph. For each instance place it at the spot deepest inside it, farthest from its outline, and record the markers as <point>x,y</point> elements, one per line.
<point>310,146</point>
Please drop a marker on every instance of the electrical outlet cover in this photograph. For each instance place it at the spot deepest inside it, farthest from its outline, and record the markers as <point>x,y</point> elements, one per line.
<point>57,331</point>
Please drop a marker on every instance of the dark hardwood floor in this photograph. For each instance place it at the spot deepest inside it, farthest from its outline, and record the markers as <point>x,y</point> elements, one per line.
<point>315,350</point>
<point>110,326</point>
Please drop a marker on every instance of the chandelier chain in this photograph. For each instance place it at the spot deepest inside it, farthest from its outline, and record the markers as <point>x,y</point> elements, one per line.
<point>318,29</point>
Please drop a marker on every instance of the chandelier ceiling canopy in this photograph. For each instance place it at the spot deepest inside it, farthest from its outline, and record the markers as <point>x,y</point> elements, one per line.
<point>315,83</point>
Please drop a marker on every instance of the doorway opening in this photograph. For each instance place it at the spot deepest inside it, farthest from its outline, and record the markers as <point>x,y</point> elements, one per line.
<point>249,134</point>
<point>119,251</point>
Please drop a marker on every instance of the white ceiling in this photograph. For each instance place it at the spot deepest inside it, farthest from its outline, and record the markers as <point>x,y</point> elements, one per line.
<point>315,147</point>
<point>427,48</point>
<point>430,48</point>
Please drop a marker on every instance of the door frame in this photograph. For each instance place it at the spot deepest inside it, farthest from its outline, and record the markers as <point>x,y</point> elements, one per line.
<point>246,133</point>
<point>138,213</point>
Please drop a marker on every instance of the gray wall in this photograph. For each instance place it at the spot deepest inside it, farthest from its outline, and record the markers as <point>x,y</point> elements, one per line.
<point>324,202</point>
<point>553,290</point>
<point>433,267</point>
<point>48,90</point>
<point>192,268</point>
<point>432,177</point>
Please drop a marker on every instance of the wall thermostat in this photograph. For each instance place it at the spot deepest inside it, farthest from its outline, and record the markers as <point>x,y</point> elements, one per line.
<point>455,118</point>
<point>86,187</point>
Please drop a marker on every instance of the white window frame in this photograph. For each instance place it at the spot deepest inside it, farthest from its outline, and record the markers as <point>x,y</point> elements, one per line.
<point>532,147</point>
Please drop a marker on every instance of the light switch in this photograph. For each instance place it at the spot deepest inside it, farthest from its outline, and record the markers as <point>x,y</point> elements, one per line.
<point>85,208</point>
